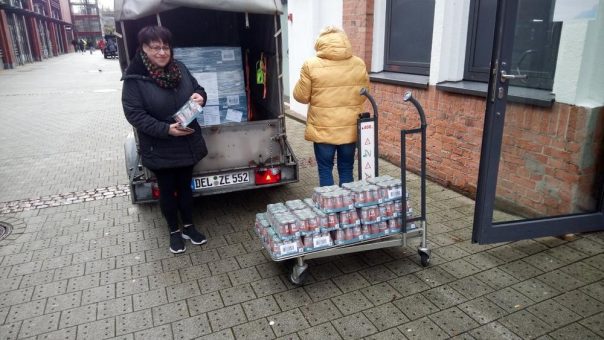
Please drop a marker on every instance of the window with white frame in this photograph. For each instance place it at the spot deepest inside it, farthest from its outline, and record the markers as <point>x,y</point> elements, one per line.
<point>408,36</point>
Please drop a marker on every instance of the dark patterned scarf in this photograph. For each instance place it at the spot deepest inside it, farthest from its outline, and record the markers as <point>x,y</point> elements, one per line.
<point>167,77</point>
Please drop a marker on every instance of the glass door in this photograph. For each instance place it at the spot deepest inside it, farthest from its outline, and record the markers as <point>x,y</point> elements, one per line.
<point>542,159</point>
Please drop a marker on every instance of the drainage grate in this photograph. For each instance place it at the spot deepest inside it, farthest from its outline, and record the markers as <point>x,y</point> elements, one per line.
<point>5,230</point>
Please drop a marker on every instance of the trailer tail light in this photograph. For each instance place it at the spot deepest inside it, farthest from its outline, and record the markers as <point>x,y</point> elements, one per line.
<point>268,175</point>
<point>154,191</point>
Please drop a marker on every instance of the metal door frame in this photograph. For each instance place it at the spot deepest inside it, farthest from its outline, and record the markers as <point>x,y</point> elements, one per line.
<point>484,230</point>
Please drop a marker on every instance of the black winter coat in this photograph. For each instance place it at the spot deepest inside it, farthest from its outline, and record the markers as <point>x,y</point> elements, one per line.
<point>149,108</point>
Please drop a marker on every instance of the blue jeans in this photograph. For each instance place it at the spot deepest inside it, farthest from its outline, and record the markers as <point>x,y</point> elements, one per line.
<point>324,154</point>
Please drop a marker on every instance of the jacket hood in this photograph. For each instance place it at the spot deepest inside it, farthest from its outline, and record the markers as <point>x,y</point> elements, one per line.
<point>333,46</point>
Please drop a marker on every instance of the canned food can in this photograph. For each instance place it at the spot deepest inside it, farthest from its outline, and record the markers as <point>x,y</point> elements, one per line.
<point>372,213</point>
<point>393,225</point>
<point>323,220</point>
<point>356,231</point>
<point>364,214</point>
<point>344,217</point>
<point>359,196</point>
<point>347,199</point>
<point>354,216</point>
<point>348,234</point>
<point>340,235</point>
<point>283,228</point>
<point>338,201</point>
<point>308,241</point>
<point>374,228</point>
<point>332,220</point>
<point>398,206</point>
<point>383,210</point>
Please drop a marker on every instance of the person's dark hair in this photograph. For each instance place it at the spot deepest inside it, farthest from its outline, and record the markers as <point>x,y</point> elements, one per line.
<point>154,33</point>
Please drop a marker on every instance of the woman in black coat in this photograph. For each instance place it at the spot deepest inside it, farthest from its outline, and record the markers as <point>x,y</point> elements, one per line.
<point>155,87</point>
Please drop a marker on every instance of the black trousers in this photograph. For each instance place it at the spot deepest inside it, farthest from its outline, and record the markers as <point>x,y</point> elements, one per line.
<point>175,195</point>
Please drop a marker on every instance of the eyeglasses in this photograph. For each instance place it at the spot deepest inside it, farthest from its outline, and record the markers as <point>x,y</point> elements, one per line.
<point>157,49</point>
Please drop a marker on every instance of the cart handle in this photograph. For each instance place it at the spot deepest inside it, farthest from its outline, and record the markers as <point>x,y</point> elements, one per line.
<point>365,93</point>
<point>408,97</point>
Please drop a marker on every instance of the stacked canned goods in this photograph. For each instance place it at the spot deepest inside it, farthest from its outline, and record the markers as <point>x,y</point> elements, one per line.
<point>334,216</point>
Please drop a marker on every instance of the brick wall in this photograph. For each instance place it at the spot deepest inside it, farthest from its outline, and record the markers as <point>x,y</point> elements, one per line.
<point>550,156</point>
<point>454,132</point>
<point>357,21</point>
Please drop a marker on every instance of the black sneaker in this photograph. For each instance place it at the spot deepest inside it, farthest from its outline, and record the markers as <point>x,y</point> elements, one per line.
<point>177,244</point>
<point>190,233</point>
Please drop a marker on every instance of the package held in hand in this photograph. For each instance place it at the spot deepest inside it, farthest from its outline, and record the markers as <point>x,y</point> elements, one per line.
<point>187,113</point>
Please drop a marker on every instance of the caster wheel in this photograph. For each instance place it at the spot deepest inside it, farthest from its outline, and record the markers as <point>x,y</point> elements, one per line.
<point>424,259</point>
<point>298,280</point>
<point>298,275</point>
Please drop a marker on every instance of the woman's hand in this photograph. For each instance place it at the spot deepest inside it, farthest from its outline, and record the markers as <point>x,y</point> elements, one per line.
<point>196,97</point>
<point>178,131</point>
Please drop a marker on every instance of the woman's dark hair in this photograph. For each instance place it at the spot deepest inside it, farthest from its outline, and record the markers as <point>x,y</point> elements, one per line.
<point>154,33</point>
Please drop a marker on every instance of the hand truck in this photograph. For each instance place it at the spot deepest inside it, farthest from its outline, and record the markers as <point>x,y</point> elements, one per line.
<point>368,161</point>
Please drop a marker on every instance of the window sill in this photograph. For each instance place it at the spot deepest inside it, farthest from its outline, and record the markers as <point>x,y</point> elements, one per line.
<point>405,79</point>
<point>516,94</point>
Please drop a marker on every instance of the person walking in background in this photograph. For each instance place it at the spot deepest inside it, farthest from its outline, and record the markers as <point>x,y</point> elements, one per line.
<point>75,44</point>
<point>90,44</point>
<point>101,45</point>
<point>82,45</point>
<point>155,87</point>
<point>330,83</point>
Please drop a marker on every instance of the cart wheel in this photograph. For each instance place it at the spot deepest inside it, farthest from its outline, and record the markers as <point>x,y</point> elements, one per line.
<point>424,258</point>
<point>298,274</point>
<point>298,280</point>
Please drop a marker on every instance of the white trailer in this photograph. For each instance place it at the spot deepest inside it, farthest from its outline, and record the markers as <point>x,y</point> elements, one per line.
<point>242,155</point>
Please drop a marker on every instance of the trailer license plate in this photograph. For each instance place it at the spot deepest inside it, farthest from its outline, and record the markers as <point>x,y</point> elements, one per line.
<point>220,180</point>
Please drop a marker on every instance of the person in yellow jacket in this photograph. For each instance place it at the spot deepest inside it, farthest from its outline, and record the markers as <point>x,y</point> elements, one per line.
<point>330,83</point>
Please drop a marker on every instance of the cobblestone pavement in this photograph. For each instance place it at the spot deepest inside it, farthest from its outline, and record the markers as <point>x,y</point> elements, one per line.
<point>88,264</point>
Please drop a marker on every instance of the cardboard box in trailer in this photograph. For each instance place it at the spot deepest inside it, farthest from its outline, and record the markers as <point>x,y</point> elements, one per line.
<point>224,44</point>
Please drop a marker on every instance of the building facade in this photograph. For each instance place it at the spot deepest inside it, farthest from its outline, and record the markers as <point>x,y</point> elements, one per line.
<point>86,19</point>
<point>552,156</point>
<point>33,30</point>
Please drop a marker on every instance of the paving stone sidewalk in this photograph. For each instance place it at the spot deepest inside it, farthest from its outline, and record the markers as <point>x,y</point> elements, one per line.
<point>100,269</point>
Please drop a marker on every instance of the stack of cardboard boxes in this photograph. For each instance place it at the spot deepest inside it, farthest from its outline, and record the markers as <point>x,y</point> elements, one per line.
<point>219,70</point>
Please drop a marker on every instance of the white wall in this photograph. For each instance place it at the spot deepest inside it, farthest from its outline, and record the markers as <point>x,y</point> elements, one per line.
<point>379,35</point>
<point>591,86</point>
<point>579,78</point>
<point>449,37</point>
<point>568,67</point>
<point>308,18</point>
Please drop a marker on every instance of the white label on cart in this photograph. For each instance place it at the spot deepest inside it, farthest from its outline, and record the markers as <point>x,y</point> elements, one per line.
<point>321,241</point>
<point>395,193</point>
<point>289,248</point>
<point>367,150</point>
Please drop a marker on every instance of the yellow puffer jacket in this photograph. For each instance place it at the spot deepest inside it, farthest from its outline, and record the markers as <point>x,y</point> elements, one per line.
<point>330,83</point>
